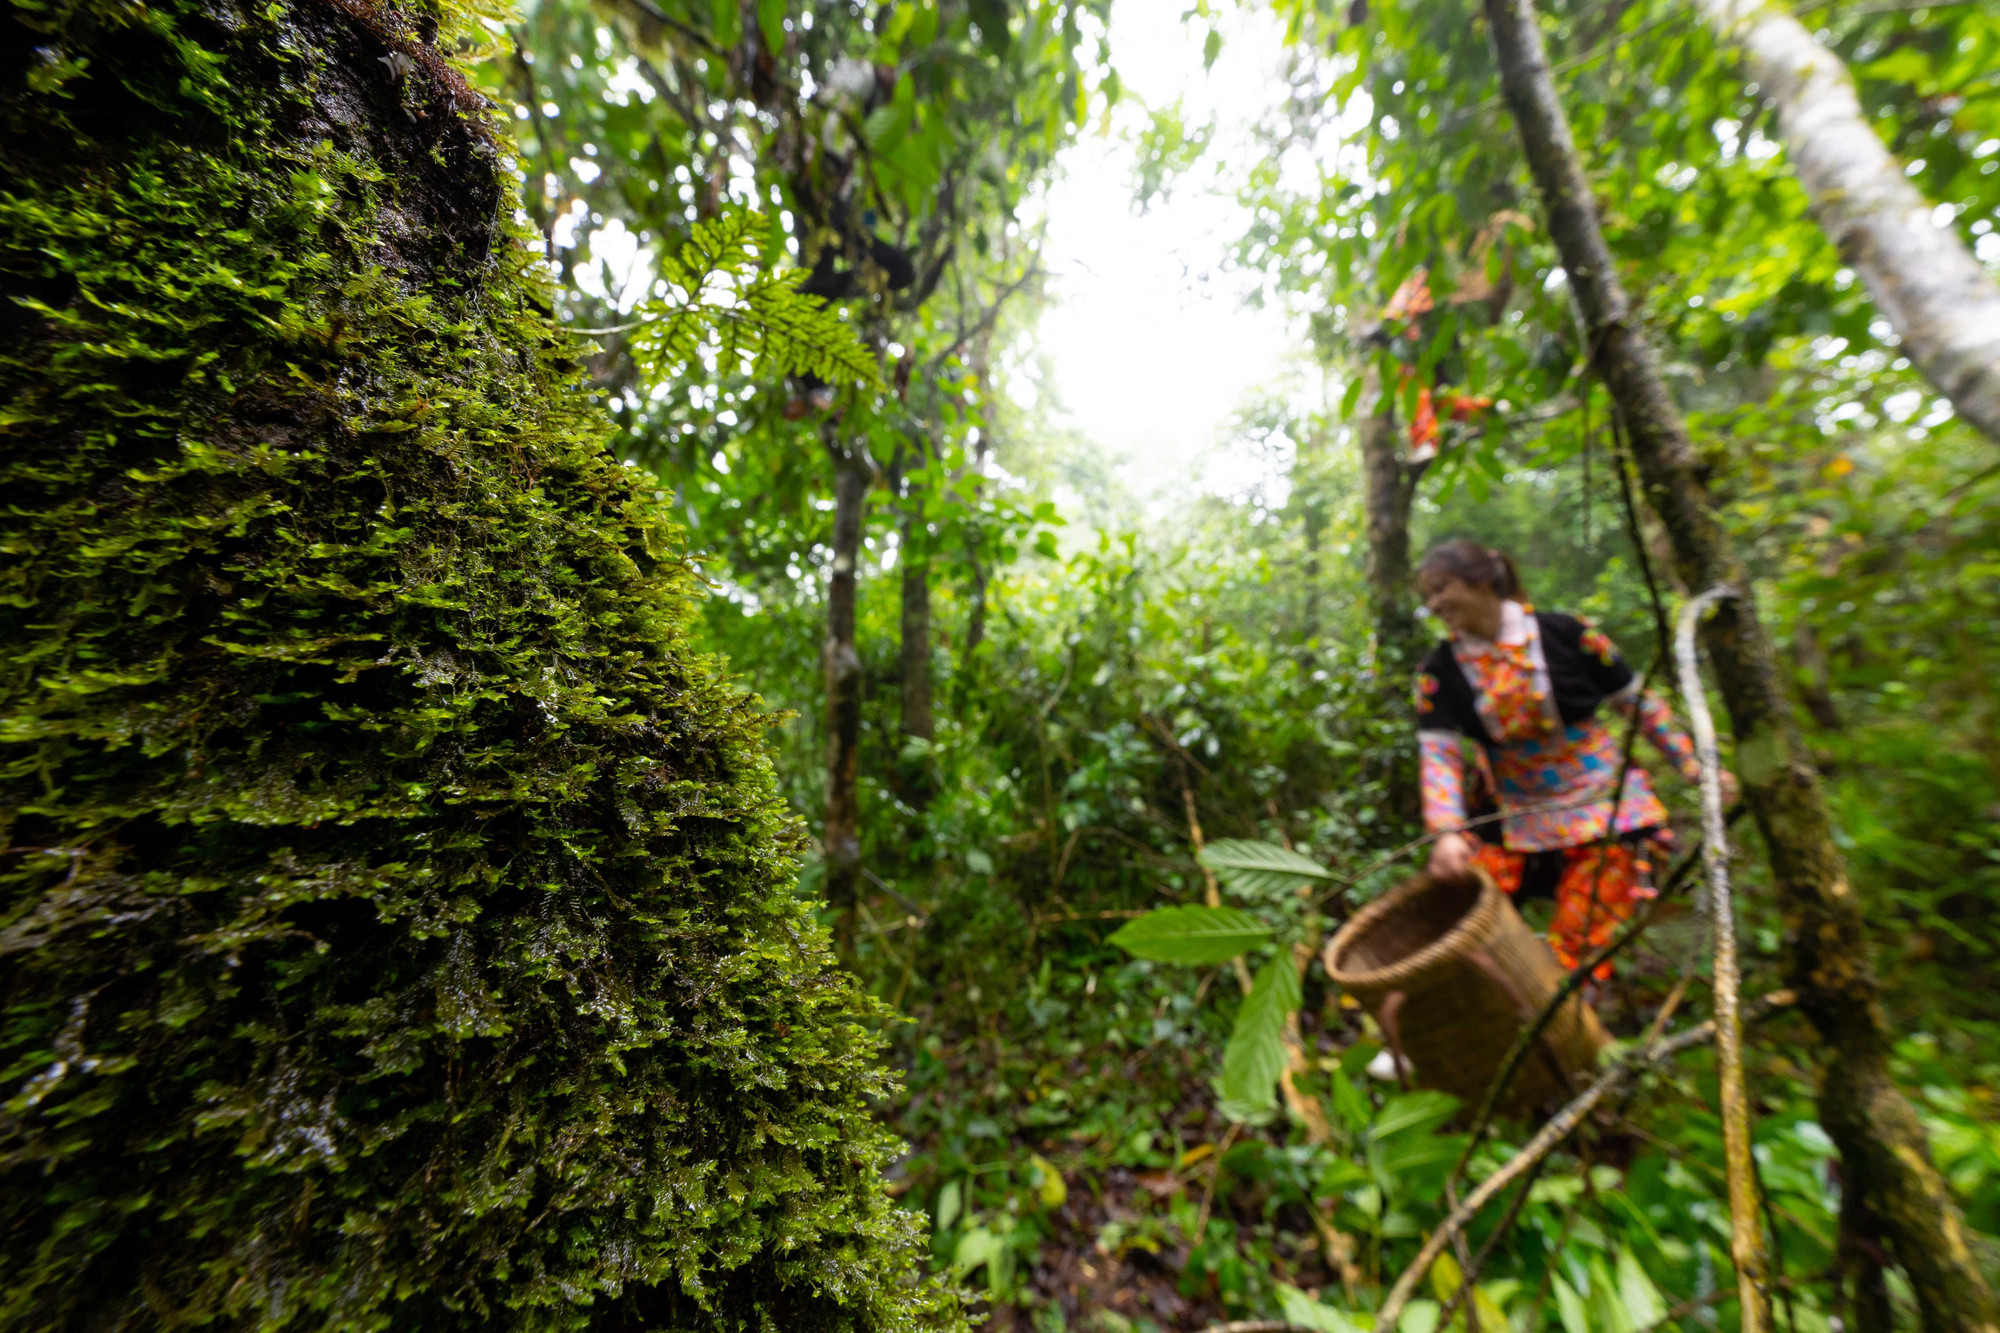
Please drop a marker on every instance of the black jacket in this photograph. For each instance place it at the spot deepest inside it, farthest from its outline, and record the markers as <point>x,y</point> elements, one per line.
<point>1584,670</point>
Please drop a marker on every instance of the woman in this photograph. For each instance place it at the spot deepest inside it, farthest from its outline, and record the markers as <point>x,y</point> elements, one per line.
<point>1528,686</point>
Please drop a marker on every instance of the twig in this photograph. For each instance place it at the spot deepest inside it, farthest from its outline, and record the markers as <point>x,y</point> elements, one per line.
<point>1467,1273</point>
<point>1211,892</point>
<point>1693,1303</point>
<point>1035,270</point>
<point>1467,1286</point>
<point>1214,1179</point>
<point>1542,1144</point>
<point>1746,1231</point>
<point>1110,914</point>
<point>890,889</point>
<point>660,16</point>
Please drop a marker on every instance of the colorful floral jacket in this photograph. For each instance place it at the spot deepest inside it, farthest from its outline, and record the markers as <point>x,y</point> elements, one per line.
<point>1530,703</point>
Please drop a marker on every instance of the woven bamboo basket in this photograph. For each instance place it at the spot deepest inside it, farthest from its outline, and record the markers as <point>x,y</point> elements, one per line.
<point>1451,972</point>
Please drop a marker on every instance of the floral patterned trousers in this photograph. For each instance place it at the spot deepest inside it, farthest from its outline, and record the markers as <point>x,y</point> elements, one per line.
<point>1597,888</point>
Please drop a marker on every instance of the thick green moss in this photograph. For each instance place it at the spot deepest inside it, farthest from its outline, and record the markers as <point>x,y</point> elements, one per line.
<point>398,926</point>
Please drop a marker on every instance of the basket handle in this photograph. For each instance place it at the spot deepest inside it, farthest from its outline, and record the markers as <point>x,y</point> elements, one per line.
<point>1392,1004</point>
<point>1527,1013</point>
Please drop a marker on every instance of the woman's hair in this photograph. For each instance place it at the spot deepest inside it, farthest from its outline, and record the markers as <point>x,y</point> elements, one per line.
<point>1480,565</point>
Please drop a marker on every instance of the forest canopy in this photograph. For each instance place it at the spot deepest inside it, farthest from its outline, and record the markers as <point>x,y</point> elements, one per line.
<point>724,664</point>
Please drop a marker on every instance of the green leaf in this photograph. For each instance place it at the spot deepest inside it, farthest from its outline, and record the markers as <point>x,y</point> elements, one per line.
<point>1419,1316</point>
<point>1350,1102</point>
<point>1211,48</point>
<point>948,1204</point>
<point>980,1245</point>
<point>1642,1298</point>
<point>726,16</point>
<point>1304,1311</point>
<point>1570,1308</point>
<point>1261,869</point>
<point>1411,1153</point>
<point>1352,398</point>
<point>1610,1316</point>
<point>1191,934</point>
<point>1906,65</point>
<point>991,16</point>
<point>1256,1053</point>
<point>1048,1182</point>
<point>771,18</point>
<point>1413,1112</point>
<point>1447,1277</point>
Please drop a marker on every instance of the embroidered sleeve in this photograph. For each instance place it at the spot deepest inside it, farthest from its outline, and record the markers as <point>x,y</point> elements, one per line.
<point>1606,668</point>
<point>1425,694</point>
<point>1442,770</point>
<point>1656,721</point>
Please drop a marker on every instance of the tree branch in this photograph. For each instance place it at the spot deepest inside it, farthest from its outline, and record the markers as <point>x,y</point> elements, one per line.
<point>1746,1232</point>
<point>1035,270</point>
<point>1622,1073</point>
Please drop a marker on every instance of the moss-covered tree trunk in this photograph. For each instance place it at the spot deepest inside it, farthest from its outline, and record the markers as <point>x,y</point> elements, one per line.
<point>397,924</point>
<point>1882,1145</point>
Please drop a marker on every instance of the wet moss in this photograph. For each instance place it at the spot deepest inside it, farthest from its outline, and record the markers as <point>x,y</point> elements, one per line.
<point>396,917</point>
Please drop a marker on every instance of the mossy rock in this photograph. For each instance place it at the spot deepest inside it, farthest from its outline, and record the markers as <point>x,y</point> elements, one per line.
<point>397,922</point>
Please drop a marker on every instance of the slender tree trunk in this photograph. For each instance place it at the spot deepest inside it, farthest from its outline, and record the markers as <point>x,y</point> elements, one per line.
<point>1309,497</point>
<point>1390,485</point>
<point>975,624</point>
<point>918,718</point>
<point>1936,295</point>
<point>1815,678</point>
<point>842,842</point>
<point>975,621</point>
<point>1883,1152</point>
<point>916,774</point>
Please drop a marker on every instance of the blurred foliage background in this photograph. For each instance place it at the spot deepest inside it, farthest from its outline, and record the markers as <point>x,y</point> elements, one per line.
<point>1110,685</point>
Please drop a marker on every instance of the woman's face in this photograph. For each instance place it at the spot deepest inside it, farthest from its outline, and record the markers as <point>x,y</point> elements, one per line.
<point>1463,607</point>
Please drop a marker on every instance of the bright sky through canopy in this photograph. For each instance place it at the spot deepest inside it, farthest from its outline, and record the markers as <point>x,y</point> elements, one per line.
<point>1151,343</point>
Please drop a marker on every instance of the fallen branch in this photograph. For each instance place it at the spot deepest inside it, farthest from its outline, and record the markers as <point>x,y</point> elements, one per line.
<point>1622,1073</point>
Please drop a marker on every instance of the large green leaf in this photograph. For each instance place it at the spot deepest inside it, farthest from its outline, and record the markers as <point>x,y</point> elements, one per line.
<point>1256,1052</point>
<point>1261,869</point>
<point>1191,934</point>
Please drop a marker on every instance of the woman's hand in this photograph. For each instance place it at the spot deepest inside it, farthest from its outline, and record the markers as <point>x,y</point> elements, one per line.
<point>1451,857</point>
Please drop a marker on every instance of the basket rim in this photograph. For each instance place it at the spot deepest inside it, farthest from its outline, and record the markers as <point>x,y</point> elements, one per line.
<point>1476,924</point>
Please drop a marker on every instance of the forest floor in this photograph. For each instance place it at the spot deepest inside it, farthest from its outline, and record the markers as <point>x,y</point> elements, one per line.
<point>1080,1175</point>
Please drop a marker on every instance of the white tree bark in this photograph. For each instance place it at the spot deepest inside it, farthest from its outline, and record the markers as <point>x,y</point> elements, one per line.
<point>1939,298</point>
